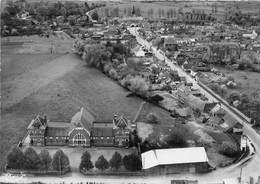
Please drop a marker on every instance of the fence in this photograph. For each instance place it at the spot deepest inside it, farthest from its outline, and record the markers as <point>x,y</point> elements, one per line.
<point>36,172</point>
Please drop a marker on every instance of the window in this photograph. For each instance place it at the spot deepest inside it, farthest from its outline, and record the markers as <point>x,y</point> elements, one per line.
<point>79,140</point>
<point>107,137</point>
<point>101,137</point>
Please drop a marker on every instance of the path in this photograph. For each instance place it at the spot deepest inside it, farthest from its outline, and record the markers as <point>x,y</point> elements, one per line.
<point>13,91</point>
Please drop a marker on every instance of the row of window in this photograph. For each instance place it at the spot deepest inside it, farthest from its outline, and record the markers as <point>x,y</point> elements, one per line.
<point>102,138</point>
<point>56,137</point>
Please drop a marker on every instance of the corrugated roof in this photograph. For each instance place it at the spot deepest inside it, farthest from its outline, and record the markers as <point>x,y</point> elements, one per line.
<point>173,156</point>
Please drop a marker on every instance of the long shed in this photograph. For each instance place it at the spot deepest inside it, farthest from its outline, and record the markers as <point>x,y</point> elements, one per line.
<point>177,160</point>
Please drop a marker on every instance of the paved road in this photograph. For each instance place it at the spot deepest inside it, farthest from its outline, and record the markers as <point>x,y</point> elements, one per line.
<point>252,168</point>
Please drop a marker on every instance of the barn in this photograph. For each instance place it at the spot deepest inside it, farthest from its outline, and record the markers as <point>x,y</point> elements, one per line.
<point>178,160</point>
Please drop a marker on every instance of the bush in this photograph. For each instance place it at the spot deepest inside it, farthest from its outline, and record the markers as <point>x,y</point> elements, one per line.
<point>15,158</point>
<point>152,118</point>
<point>132,162</point>
<point>197,112</point>
<point>113,73</point>
<point>228,149</point>
<point>176,140</point>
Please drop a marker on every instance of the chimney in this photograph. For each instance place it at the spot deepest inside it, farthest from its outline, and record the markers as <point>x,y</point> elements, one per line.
<point>115,116</point>
<point>45,119</point>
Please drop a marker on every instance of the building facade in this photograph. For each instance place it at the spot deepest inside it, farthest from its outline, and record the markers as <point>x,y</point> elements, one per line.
<point>81,131</point>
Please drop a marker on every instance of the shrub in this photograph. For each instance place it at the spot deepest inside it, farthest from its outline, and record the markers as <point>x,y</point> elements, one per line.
<point>107,67</point>
<point>45,159</point>
<point>152,118</point>
<point>176,140</point>
<point>132,162</point>
<point>197,112</point>
<point>86,161</point>
<point>15,158</point>
<point>32,159</point>
<point>102,163</point>
<point>60,161</point>
<point>113,73</point>
<point>228,149</point>
<point>116,161</point>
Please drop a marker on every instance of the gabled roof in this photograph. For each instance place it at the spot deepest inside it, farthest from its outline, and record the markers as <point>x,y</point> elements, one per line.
<point>38,122</point>
<point>173,156</point>
<point>122,122</point>
<point>82,119</point>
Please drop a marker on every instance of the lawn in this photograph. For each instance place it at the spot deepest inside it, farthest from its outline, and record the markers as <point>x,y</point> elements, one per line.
<point>82,87</point>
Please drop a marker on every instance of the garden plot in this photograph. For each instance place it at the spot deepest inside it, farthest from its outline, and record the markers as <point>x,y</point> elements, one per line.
<point>144,130</point>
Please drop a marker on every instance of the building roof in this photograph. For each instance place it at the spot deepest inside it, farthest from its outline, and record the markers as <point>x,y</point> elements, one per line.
<point>84,119</point>
<point>122,122</point>
<point>173,156</point>
<point>102,132</point>
<point>37,123</point>
<point>57,131</point>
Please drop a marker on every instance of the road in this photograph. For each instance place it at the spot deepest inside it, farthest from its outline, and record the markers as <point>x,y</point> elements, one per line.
<point>252,167</point>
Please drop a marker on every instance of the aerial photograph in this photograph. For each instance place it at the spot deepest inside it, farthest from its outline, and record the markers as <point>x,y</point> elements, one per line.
<point>130,92</point>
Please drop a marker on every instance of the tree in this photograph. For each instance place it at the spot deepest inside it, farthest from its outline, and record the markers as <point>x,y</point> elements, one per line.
<point>107,12</point>
<point>15,158</point>
<point>132,162</point>
<point>229,149</point>
<point>72,20</point>
<point>116,161</point>
<point>156,98</point>
<point>45,159</point>
<point>176,140</point>
<point>86,161</point>
<point>95,15</point>
<point>102,163</point>
<point>152,118</point>
<point>112,73</point>
<point>32,159</point>
<point>60,161</point>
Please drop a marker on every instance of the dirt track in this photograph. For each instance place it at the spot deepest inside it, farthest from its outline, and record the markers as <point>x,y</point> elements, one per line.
<point>22,86</point>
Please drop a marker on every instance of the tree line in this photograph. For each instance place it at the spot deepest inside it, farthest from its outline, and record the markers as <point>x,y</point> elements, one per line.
<point>31,160</point>
<point>130,162</point>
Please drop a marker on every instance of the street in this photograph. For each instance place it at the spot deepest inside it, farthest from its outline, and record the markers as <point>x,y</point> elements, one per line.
<point>252,168</point>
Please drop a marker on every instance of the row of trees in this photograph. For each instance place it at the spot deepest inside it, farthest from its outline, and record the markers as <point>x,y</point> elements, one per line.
<point>130,162</point>
<point>110,59</point>
<point>30,160</point>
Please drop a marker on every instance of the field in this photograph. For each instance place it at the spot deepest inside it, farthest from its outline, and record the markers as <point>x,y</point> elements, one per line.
<point>246,7</point>
<point>249,80</point>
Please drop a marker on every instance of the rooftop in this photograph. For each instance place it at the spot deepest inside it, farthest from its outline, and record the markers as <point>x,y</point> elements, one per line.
<point>173,156</point>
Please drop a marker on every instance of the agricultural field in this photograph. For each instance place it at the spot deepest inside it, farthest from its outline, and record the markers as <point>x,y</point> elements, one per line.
<point>248,7</point>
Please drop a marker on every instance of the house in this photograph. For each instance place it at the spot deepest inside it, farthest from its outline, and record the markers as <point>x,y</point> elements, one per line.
<point>180,160</point>
<point>171,44</point>
<point>82,130</point>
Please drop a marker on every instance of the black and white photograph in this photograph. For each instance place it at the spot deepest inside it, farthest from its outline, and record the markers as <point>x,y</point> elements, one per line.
<point>130,92</point>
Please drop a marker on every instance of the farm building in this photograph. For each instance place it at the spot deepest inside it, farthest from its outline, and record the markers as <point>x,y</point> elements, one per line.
<point>180,160</point>
<point>81,131</point>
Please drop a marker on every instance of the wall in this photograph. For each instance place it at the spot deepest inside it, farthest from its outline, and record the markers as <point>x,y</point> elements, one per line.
<point>179,168</point>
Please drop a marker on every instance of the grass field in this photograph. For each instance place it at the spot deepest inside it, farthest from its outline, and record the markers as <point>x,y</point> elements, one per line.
<point>249,80</point>
<point>246,7</point>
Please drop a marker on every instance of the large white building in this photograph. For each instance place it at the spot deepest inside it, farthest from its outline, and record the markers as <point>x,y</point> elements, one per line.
<point>179,160</point>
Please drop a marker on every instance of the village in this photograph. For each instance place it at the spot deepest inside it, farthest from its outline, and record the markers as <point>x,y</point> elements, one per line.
<point>182,68</point>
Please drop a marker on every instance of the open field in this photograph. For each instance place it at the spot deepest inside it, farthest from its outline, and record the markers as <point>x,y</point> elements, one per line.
<point>60,99</point>
<point>246,7</point>
<point>249,80</point>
